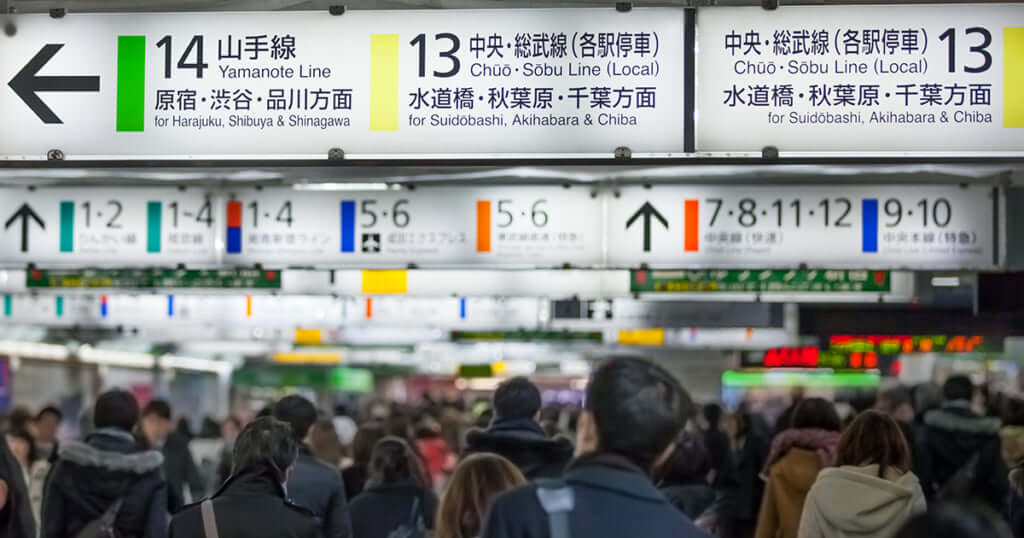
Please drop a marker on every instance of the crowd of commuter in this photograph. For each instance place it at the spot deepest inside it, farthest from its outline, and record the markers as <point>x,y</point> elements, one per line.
<point>640,459</point>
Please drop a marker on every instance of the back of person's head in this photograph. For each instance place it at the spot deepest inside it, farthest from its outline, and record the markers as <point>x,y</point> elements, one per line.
<point>1013,411</point>
<point>874,438</point>
<point>637,409</point>
<point>958,387</point>
<point>50,412</point>
<point>713,415</point>
<point>116,409</point>
<point>473,486</point>
<point>266,441</point>
<point>297,412</point>
<point>325,443</point>
<point>689,463</point>
<point>366,438</point>
<point>157,408</point>
<point>392,462</point>
<point>956,520</point>
<point>817,414</point>
<point>516,398</point>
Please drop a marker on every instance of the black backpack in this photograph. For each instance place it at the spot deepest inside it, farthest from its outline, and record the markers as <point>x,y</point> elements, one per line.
<point>103,526</point>
<point>415,527</point>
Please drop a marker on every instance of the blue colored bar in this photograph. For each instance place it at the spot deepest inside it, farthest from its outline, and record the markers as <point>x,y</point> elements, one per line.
<point>348,226</point>
<point>869,217</point>
<point>462,308</point>
<point>103,309</point>
<point>234,240</point>
<point>170,306</point>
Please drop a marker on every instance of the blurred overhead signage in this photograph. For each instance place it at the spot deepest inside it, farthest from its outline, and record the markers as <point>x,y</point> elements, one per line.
<point>860,80</point>
<point>854,226</point>
<point>154,278</point>
<point>812,357</point>
<point>595,337</point>
<point>368,83</point>
<point>897,344</point>
<point>738,280</point>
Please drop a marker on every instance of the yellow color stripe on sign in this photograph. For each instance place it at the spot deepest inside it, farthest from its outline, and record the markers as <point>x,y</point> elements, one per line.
<point>642,337</point>
<point>308,336</point>
<point>384,82</point>
<point>385,282</point>
<point>300,357</point>
<point>1013,77</point>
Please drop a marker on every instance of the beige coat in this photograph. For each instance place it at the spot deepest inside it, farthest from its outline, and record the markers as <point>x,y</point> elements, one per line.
<point>853,502</point>
<point>789,480</point>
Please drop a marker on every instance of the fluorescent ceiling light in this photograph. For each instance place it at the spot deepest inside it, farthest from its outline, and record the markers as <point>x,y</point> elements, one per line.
<point>342,187</point>
<point>33,350</point>
<point>223,368</point>
<point>107,357</point>
<point>946,281</point>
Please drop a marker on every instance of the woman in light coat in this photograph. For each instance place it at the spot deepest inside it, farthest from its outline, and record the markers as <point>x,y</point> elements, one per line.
<point>871,491</point>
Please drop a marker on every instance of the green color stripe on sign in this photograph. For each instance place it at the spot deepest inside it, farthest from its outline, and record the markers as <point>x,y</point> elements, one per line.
<point>131,82</point>
<point>7,305</point>
<point>60,305</point>
<point>153,213</point>
<point>67,226</point>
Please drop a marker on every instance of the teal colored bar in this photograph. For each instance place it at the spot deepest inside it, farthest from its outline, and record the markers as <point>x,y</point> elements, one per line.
<point>60,306</point>
<point>154,212</point>
<point>7,305</point>
<point>67,226</point>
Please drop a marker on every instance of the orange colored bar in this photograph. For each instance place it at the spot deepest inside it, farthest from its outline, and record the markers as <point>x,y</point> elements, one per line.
<point>369,307</point>
<point>248,306</point>
<point>691,241</point>
<point>483,225</point>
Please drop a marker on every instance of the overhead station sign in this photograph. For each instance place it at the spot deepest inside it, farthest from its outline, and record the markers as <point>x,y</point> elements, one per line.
<point>862,79</point>
<point>369,83</point>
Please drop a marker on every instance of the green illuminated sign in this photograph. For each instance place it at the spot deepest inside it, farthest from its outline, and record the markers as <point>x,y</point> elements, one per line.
<point>595,337</point>
<point>735,379</point>
<point>760,281</point>
<point>154,279</point>
<point>339,378</point>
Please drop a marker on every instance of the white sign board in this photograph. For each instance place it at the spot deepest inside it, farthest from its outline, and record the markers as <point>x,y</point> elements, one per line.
<point>108,226</point>
<point>852,226</point>
<point>372,83</point>
<point>942,80</point>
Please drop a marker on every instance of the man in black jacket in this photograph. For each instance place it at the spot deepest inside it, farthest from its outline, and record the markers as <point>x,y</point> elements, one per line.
<point>253,503</point>
<point>313,484</point>
<point>90,476</point>
<point>180,468</point>
<point>515,434</point>
<point>961,452</point>
<point>634,411</point>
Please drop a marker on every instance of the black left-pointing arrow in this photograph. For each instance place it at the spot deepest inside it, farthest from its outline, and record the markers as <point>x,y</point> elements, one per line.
<point>24,213</point>
<point>27,83</point>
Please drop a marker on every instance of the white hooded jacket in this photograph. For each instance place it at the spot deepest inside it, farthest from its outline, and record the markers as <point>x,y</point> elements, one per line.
<point>848,502</point>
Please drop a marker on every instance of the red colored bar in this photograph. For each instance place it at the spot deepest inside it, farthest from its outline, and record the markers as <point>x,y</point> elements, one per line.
<point>234,214</point>
<point>369,307</point>
<point>691,241</point>
<point>483,226</point>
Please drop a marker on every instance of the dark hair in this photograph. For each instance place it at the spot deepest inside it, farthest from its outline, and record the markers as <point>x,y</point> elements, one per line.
<point>638,408</point>
<point>713,415</point>
<point>816,413</point>
<point>874,438</point>
<point>895,397</point>
<point>50,410</point>
<point>516,398</point>
<point>297,412</point>
<point>473,486</point>
<point>958,387</point>
<point>159,408</point>
<point>1013,411</point>
<point>325,443</point>
<point>265,441</point>
<point>970,519</point>
<point>24,435</point>
<point>116,409</point>
<point>689,463</point>
<point>393,462</point>
<point>366,438</point>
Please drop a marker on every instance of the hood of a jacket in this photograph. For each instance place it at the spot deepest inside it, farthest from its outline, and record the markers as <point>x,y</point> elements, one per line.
<point>522,438</point>
<point>856,501</point>
<point>111,452</point>
<point>797,470</point>
<point>955,432</point>
<point>1013,443</point>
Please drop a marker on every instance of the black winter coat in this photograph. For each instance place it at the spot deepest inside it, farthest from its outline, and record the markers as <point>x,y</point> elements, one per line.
<point>181,472</point>
<point>16,519</point>
<point>251,504</point>
<point>317,487</point>
<point>610,502</point>
<point>691,499</point>
<point>378,510</point>
<point>951,436</point>
<point>90,476</point>
<point>354,477</point>
<point>525,444</point>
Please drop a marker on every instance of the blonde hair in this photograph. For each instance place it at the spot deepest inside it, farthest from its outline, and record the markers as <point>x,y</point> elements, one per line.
<point>473,486</point>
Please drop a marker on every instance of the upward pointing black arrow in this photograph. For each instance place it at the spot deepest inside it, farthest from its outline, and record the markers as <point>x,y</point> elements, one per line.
<point>27,83</point>
<point>647,211</point>
<point>24,213</point>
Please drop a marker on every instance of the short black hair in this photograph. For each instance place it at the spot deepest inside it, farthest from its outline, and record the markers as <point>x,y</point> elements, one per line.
<point>116,409</point>
<point>265,441</point>
<point>516,398</point>
<point>816,413</point>
<point>638,408</point>
<point>298,412</point>
<point>958,387</point>
<point>159,408</point>
<point>713,415</point>
<point>50,410</point>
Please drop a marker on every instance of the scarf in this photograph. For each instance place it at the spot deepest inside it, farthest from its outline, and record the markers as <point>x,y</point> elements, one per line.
<point>824,444</point>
